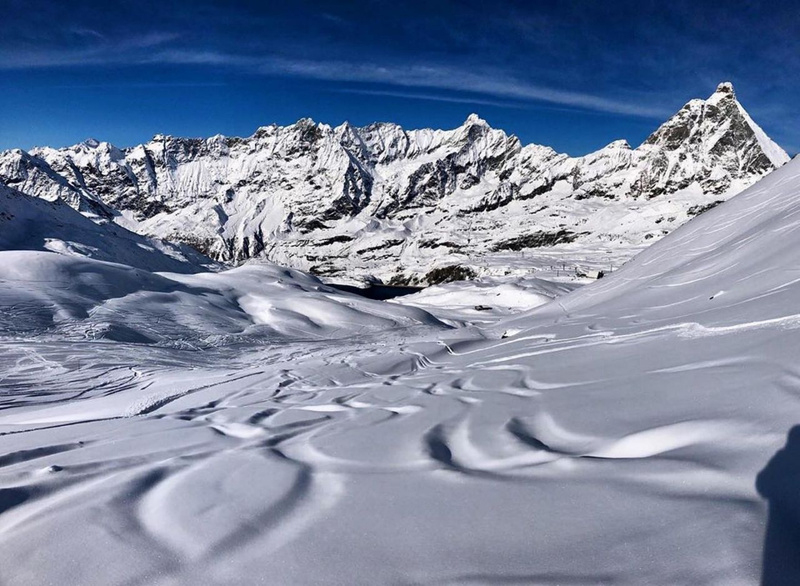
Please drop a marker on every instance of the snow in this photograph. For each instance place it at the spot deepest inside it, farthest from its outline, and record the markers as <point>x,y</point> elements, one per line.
<point>488,299</point>
<point>272,430</point>
<point>53,294</point>
<point>30,223</point>
<point>774,152</point>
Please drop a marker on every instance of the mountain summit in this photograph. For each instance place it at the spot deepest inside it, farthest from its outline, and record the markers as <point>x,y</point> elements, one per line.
<point>382,202</point>
<point>719,134</point>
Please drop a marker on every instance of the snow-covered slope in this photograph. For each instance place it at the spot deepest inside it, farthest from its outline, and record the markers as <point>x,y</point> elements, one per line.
<point>734,263</point>
<point>486,300</point>
<point>616,438</point>
<point>383,202</point>
<point>32,175</point>
<point>59,296</point>
<point>30,223</point>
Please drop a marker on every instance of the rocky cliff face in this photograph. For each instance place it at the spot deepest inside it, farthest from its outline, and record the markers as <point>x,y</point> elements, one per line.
<point>712,142</point>
<point>383,202</point>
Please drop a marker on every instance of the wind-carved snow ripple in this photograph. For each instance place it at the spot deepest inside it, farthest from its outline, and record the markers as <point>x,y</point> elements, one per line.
<point>224,467</point>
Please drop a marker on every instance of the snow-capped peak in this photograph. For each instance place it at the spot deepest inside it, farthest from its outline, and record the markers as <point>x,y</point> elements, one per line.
<point>725,94</point>
<point>618,144</point>
<point>720,127</point>
<point>724,89</point>
<point>473,119</point>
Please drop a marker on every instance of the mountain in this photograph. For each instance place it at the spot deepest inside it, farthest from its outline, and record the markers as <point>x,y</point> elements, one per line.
<point>380,202</point>
<point>29,174</point>
<point>33,224</point>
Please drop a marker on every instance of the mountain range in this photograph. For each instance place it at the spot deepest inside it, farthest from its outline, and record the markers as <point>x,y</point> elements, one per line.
<point>380,203</point>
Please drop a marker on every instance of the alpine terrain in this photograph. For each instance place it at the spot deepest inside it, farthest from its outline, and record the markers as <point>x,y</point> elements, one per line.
<point>372,354</point>
<point>253,425</point>
<point>379,203</point>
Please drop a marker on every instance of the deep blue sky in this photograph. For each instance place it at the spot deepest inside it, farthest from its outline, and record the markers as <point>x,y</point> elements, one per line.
<point>571,74</point>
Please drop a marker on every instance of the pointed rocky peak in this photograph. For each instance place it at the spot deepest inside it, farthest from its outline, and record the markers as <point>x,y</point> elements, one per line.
<point>617,145</point>
<point>723,97</point>
<point>476,128</point>
<point>719,126</point>
<point>617,150</point>
<point>96,148</point>
<point>713,143</point>
<point>263,131</point>
<point>726,87</point>
<point>19,153</point>
<point>309,131</point>
<point>615,155</point>
<point>741,124</point>
<point>219,144</point>
<point>383,141</point>
<point>348,134</point>
<point>305,123</point>
<point>475,120</point>
<point>350,138</point>
<point>344,129</point>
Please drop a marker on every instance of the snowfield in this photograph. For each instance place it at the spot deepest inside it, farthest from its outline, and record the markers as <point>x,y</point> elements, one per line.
<point>59,295</point>
<point>486,300</point>
<point>256,426</point>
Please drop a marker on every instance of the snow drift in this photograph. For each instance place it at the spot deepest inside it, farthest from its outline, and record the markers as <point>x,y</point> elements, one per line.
<point>60,295</point>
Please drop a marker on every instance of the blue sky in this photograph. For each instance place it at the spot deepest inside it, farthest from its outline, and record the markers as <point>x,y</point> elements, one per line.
<point>574,75</point>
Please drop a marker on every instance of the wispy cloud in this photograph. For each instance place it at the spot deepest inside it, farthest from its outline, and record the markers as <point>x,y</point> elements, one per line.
<point>157,48</point>
<point>134,49</point>
<point>486,83</point>
<point>411,95</point>
<point>454,79</point>
<point>141,85</point>
<point>429,97</point>
<point>87,32</point>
